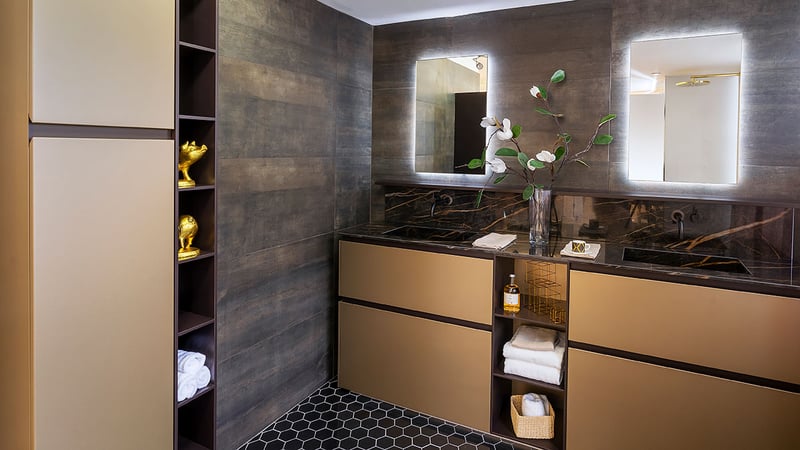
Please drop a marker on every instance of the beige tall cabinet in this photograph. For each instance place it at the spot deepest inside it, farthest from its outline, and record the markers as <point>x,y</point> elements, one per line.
<point>87,216</point>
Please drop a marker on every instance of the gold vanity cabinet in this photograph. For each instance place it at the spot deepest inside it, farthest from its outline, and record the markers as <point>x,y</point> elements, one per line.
<point>620,404</point>
<point>437,368</point>
<point>446,285</point>
<point>414,329</point>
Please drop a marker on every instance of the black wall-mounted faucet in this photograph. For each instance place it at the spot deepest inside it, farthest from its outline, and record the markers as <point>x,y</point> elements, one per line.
<point>677,217</point>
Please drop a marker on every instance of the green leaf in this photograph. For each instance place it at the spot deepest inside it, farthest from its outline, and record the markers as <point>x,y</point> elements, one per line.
<point>603,139</point>
<point>543,92</point>
<point>536,163</point>
<point>475,163</point>
<point>544,111</point>
<point>558,76</point>
<point>527,193</point>
<point>505,151</point>
<point>516,130</point>
<point>500,178</point>
<point>582,162</point>
<point>523,159</point>
<point>560,151</point>
<point>566,137</point>
<point>607,119</point>
<point>478,198</point>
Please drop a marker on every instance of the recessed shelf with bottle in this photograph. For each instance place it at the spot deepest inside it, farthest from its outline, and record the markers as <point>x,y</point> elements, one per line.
<point>543,293</point>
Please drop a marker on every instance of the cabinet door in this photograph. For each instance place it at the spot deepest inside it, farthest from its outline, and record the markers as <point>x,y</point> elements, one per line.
<point>103,320</point>
<point>100,62</point>
<point>433,367</point>
<point>447,285</point>
<point>743,332</point>
<point>618,404</point>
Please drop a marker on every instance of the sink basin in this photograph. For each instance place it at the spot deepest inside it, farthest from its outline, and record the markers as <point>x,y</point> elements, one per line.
<point>681,259</point>
<point>432,234</point>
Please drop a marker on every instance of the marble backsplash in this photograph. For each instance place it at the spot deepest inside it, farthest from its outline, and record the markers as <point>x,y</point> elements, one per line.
<point>763,233</point>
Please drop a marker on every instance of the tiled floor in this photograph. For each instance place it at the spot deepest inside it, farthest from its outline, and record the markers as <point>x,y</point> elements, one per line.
<point>334,418</point>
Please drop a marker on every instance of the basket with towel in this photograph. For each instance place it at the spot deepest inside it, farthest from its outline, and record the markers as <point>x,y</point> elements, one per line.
<point>193,374</point>
<point>535,353</point>
<point>532,416</point>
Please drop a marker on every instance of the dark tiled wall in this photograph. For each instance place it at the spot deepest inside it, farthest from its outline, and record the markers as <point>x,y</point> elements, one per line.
<point>590,40</point>
<point>294,156</point>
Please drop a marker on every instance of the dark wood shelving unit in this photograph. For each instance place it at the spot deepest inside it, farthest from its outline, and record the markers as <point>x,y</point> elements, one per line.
<point>504,385</point>
<point>195,279</point>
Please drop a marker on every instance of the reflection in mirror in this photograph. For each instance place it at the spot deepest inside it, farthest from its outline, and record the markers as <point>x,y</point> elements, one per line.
<point>450,102</point>
<point>684,109</point>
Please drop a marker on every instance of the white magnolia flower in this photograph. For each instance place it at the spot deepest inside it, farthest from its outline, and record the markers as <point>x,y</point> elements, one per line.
<point>530,166</point>
<point>487,122</point>
<point>536,92</point>
<point>497,165</point>
<point>505,132</point>
<point>545,156</point>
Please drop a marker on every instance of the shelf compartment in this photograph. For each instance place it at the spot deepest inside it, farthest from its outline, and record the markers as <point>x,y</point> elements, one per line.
<point>196,421</point>
<point>199,203</point>
<point>197,82</point>
<point>503,387</point>
<point>203,133</point>
<point>503,427</point>
<point>550,388</point>
<point>198,395</point>
<point>198,22</point>
<point>196,291</point>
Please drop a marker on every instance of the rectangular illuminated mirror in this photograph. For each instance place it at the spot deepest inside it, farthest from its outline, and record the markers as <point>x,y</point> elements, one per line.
<point>684,109</point>
<point>450,102</point>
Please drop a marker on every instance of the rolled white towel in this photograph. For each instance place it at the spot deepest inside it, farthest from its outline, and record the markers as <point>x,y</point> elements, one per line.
<point>552,358</point>
<point>534,338</point>
<point>203,377</point>
<point>190,362</point>
<point>532,406</point>
<point>533,371</point>
<point>187,386</point>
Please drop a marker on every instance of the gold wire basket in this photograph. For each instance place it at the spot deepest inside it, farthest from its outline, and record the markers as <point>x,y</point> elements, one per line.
<point>545,296</point>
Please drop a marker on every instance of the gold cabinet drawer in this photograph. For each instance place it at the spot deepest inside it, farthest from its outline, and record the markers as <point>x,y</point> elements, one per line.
<point>447,285</point>
<point>618,404</point>
<point>743,332</point>
<point>433,367</point>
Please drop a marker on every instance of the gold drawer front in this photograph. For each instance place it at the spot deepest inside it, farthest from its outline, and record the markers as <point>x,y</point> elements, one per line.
<point>437,368</point>
<point>743,332</point>
<point>447,285</point>
<point>618,404</point>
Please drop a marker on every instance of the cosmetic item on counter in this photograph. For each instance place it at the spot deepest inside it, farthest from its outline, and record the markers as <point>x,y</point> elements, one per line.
<point>511,295</point>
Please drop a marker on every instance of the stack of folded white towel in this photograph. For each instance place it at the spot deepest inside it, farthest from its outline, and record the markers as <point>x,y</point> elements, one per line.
<point>193,374</point>
<point>535,353</point>
<point>535,405</point>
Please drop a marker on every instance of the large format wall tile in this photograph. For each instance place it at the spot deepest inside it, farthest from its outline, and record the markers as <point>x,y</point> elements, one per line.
<point>294,165</point>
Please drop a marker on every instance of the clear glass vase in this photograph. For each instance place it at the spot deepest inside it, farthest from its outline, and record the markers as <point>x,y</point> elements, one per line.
<point>539,217</point>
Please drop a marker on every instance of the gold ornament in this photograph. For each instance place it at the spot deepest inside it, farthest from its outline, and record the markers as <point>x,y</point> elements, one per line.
<point>187,229</point>
<point>189,154</point>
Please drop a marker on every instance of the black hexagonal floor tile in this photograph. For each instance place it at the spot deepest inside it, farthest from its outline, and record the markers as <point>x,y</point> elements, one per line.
<point>335,419</point>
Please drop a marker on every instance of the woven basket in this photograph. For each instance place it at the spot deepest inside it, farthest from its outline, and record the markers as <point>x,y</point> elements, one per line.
<point>531,427</point>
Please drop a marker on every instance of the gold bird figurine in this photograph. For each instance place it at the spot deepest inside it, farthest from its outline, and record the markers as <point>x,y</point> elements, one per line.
<point>189,155</point>
<point>187,229</point>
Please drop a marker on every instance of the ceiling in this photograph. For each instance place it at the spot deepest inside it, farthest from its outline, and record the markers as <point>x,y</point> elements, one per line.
<point>381,12</point>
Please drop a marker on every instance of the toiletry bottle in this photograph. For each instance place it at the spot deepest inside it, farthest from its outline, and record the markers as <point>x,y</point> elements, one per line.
<point>511,296</point>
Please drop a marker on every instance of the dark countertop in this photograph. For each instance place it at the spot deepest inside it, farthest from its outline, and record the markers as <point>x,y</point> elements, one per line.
<point>768,278</point>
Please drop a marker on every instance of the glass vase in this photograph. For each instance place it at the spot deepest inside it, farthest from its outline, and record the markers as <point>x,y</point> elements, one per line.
<point>539,217</point>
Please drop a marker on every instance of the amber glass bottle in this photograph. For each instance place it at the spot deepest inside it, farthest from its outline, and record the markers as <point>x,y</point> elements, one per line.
<point>511,296</point>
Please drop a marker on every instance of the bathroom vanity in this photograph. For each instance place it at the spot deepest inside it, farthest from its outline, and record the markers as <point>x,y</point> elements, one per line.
<point>657,357</point>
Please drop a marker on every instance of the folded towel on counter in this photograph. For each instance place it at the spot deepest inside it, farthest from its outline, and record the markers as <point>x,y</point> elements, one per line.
<point>495,241</point>
<point>552,358</point>
<point>534,338</point>
<point>187,386</point>
<point>533,406</point>
<point>190,362</point>
<point>533,371</point>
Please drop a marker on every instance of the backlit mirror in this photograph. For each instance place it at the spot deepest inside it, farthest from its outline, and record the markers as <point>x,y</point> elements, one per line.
<point>450,102</point>
<point>684,109</point>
